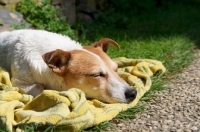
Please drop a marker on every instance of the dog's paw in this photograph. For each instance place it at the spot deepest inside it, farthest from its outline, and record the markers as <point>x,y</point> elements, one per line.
<point>35,89</point>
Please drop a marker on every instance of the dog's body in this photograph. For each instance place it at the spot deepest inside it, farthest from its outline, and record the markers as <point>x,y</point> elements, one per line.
<point>39,60</point>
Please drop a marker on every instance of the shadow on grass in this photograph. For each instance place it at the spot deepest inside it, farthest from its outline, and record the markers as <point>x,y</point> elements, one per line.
<point>169,18</point>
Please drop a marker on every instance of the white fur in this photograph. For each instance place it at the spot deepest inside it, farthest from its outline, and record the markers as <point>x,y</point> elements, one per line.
<point>21,54</point>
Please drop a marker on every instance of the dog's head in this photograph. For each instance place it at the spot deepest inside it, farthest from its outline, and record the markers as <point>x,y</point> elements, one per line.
<point>92,71</point>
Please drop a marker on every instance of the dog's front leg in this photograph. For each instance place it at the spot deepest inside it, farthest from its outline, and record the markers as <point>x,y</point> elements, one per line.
<point>26,85</point>
<point>23,79</point>
<point>34,89</point>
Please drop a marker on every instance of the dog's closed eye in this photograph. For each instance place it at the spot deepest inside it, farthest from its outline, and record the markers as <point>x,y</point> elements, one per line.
<point>100,74</point>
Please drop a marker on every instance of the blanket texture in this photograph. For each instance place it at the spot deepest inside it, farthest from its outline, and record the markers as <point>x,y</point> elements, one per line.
<point>70,110</point>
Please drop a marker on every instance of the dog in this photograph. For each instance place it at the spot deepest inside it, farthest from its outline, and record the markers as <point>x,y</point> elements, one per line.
<point>38,60</point>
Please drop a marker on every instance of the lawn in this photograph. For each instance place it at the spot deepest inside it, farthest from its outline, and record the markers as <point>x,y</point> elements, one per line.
<point>168,33</point>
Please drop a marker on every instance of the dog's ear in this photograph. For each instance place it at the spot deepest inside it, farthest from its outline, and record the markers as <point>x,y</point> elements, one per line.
<point>57,60</point>
<point>104,44</point>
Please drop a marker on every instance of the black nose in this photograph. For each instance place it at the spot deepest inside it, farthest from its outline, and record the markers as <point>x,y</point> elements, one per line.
<point>130,94</point>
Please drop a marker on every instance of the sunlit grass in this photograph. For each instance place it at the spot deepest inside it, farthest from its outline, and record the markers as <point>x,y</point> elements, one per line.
<point>167,34</point>
<point>175,52</point>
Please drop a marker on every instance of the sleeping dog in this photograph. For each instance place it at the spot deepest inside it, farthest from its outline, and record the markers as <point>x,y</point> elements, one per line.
<point>39,60</point>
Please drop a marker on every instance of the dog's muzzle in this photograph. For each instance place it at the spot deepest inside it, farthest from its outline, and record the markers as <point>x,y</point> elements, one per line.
<point>130,94</point>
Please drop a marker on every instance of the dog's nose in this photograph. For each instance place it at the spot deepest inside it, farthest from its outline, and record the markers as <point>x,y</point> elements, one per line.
<point>130,94</point>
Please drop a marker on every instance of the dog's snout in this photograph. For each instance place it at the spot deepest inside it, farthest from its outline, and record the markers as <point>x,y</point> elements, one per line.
<point>130,94</point>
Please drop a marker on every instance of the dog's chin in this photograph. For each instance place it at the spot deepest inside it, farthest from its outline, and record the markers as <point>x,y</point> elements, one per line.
<point>109,100</point>
<point>114,100</point>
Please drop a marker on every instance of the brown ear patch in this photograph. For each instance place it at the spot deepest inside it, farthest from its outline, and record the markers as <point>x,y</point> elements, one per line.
<point>104,44</point>
<point>57,60</point>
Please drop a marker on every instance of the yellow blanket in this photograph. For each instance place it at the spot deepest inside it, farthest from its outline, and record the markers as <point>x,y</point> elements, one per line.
<point>69,110</point>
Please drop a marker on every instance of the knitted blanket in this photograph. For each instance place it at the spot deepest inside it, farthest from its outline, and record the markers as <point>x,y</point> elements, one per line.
<point>70,110</point>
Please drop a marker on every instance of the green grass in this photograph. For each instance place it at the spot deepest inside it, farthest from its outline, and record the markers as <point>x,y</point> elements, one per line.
<point>168,33</point>
<point>175,53</point>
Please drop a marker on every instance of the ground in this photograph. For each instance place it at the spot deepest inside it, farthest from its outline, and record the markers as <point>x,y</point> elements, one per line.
<point>175,109</point>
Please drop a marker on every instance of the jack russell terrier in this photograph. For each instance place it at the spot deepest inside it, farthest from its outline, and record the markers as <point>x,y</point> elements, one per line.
<point>38,60</point>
